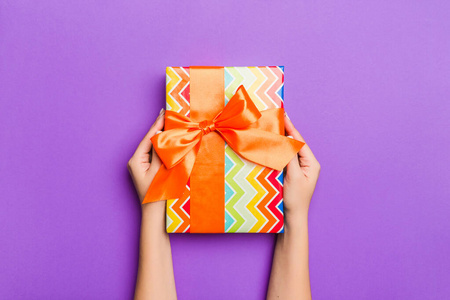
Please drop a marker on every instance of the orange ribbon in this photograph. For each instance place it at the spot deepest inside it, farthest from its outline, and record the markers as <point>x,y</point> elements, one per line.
<point>249,132</point>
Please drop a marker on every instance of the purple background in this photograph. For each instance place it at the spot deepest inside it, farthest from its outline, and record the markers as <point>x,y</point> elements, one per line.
<point>367,84</point>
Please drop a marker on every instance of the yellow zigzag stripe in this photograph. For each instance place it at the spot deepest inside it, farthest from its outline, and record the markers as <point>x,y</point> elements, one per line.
<point>176,221</point>
<point>249,78</point>
<point>260,192</point>
<point>260,79</point>
<point>172,104</point>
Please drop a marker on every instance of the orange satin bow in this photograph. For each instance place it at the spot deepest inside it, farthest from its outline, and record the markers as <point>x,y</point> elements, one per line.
<point>244,128</point>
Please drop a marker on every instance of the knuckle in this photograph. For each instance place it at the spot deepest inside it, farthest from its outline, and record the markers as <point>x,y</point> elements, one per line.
<point>318,168</point>
<point>130,163</point>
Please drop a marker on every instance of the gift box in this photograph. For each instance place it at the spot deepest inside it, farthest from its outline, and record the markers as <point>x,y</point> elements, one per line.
<point>223,150</point>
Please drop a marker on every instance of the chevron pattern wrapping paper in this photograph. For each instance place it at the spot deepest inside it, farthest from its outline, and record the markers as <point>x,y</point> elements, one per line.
<point>253,193</point>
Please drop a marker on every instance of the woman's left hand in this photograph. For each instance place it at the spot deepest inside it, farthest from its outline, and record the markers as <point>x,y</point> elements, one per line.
<point>144,164</point>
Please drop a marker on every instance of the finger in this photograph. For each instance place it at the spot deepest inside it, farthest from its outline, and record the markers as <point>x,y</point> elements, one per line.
<point>155,162</point>
<point>292,131</point>
<point>293,169</point>
<point>307,157</point>
<point>146,144</point>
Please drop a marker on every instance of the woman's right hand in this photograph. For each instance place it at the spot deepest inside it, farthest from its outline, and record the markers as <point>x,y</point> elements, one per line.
<point>289,278</point>
<point>300,179</point>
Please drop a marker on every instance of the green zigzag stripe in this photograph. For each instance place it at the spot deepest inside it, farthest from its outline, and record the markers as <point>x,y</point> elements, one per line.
<point>248,77</point>
<point>229,178</point>
<point>229,192</point>
<point>249,193</point>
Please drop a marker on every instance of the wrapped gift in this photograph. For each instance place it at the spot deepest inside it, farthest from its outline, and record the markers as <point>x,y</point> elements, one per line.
<point>223,150</point>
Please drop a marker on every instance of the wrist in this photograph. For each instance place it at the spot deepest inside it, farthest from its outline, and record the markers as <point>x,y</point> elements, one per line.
<point>154,210</point>
<point>294,221</point>
<point>153,219</point>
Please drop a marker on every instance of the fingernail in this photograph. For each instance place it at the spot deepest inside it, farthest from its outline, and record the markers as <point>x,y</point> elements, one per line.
<point>286,115</point>
<point>161,112</point>
<point>290,136</point>
<point>159,131</point>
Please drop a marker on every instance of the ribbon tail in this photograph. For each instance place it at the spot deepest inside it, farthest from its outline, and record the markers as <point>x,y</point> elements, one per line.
<point>171,183</point>
<point>265,148</point>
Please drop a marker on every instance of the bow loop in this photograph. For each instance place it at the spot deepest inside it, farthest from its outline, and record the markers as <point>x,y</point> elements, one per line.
<point>240,111</point>
<point>174,144</point>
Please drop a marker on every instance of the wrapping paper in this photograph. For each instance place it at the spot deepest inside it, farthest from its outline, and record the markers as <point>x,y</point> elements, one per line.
<point>253,194</point>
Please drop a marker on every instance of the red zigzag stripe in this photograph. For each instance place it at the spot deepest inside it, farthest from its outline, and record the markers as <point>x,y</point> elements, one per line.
<point>272,92</point>
<point>262,205</point>
<point>265,86</point>
<point>273,204</point>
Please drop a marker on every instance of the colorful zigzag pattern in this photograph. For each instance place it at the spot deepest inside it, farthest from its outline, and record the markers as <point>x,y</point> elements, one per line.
<point>177,90</point>
<point>178,212</point>
<point>178,99</point>
<point>253,194</point>
<point>265,85</point>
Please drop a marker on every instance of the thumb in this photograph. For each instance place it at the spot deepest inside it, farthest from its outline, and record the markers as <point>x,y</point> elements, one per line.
<point>293,169</point>
<point>146,145</point>
<point>155,162</point>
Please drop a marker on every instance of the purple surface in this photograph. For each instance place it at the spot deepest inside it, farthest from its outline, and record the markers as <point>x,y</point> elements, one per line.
<point>367,84</point>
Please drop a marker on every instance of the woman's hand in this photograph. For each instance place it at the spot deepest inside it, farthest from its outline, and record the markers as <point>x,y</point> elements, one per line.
<point>301,177</point>
<point>144,164</point>
<point>289,278</point>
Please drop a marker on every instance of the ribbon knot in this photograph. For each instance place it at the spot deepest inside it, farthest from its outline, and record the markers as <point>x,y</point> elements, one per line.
<point>206,126</point>
<point>254,135</point>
